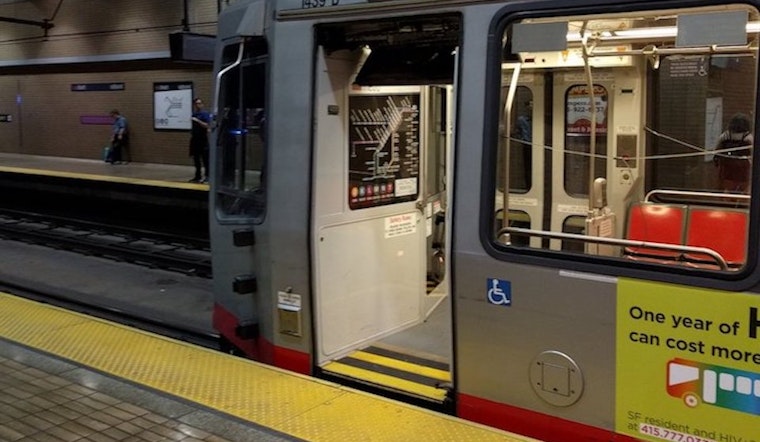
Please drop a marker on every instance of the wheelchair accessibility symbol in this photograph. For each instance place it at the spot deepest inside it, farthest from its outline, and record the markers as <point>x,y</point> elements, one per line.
<point>499,292</point>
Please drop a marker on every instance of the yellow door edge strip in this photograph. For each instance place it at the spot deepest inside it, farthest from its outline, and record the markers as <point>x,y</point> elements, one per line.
<point>410,367</point>
<point>385,380</point>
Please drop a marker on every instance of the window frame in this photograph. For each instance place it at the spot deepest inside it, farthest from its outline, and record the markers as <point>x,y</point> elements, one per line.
<point>743,279</point>
<point>255,52</point>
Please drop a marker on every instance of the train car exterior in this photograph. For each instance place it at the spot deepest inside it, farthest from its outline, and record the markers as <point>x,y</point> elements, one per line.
<point>538,215</point>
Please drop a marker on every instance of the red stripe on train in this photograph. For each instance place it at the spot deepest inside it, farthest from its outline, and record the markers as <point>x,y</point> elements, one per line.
<point>258,348</point>
<point>530,423</point>
<point>494,414</point>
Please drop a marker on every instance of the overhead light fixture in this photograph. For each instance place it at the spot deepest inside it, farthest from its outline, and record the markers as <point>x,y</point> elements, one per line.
<point>653,32</point>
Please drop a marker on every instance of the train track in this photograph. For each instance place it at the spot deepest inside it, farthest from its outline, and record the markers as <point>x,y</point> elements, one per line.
<point>191,256</point>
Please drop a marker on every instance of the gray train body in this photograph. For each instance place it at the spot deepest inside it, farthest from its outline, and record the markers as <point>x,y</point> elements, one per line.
<point>360,157</point>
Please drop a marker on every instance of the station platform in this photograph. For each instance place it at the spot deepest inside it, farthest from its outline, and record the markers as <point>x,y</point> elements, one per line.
<point>71,377</point>
<point>145,174</point>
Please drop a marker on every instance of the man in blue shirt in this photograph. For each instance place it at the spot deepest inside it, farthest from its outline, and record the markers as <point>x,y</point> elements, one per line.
<point>119,137</point>
<point>199,141</point>
<point>524,129</point>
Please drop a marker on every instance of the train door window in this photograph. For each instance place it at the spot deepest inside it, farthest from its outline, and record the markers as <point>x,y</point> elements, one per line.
<point>435,173</point>
<point>574,225</point>
<point>520,143</point>
<point>518,218</point>
<point>653,125</point>
<point>578,148</point>
<point>241,134</point>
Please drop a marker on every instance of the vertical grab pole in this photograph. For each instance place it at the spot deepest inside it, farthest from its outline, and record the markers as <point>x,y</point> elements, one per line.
<point>592,100</point>
<point>506,138</point>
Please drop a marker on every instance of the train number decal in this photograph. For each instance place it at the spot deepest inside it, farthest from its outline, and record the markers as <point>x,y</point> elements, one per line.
<point>308,4</point>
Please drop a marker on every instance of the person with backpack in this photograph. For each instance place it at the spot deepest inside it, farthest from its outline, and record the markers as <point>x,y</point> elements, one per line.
<point>734,156</point>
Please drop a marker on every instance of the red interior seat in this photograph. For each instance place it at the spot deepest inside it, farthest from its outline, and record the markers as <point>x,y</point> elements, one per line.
<point>722,230</point>
<point>662,223</point>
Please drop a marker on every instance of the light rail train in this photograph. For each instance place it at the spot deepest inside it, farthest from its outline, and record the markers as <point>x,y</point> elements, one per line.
<point>521,212</point>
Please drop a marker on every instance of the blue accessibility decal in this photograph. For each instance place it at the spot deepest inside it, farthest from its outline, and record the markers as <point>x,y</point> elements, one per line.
<point>499,291</point>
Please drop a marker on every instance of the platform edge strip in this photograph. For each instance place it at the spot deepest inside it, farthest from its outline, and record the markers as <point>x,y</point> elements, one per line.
<point>97,177</point>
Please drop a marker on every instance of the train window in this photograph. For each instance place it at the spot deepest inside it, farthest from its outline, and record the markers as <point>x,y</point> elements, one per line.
<point>520,144</point>
<point>647,132</point>
<point>241,139</point>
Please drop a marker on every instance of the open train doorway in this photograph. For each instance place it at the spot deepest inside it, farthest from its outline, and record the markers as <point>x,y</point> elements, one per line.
<point>383,142</point>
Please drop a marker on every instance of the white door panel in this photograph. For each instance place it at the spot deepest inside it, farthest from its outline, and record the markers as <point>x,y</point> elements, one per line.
<point>369,281</point>
<point>369,235</point>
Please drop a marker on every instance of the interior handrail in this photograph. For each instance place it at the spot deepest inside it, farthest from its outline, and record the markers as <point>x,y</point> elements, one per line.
<point>717,196</point>
<point>618,242</point>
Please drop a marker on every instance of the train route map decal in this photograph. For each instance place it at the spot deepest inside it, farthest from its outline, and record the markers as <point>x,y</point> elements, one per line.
<point>384,149</point>
<point>688,363</point>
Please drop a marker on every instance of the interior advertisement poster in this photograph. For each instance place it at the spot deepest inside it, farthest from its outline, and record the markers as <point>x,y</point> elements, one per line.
<point>384,149</point>
<point>688,363</point>
<point>579,110</point>
<point>173,105</point>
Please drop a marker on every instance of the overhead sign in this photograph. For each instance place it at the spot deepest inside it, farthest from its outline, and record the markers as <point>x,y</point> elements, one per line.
<point>173,105</point>
<point>96,119</point>
<point>97,87</point>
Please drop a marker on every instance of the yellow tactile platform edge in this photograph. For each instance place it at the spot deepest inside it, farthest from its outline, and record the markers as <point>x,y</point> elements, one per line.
<point>96,177</point>
<point>297,405</point>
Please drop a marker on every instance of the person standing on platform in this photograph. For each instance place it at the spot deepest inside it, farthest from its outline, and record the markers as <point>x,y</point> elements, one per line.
<point>199,141</point>
<point>119,137</point>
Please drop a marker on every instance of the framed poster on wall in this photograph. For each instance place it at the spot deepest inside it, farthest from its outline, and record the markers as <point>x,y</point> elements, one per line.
<point>172,105</point>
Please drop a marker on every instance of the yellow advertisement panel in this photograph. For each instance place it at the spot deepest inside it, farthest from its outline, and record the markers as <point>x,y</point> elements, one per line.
<point>688,363</point>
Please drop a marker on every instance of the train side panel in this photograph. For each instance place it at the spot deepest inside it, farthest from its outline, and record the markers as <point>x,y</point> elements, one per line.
<point>571,313</point>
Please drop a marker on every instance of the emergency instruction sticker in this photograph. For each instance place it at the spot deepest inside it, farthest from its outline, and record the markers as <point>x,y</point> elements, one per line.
<point>288,301</point>
<point>400,225</point>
